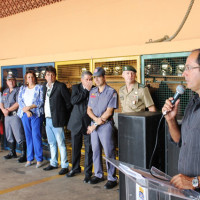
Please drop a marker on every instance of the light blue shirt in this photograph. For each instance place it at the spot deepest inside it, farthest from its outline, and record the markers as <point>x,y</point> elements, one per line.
<point>99,102</point>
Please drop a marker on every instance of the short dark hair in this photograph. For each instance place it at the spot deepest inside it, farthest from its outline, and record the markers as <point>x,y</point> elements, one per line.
<point>30,72</point>
<point>198,58</point>
<point>86,73</point>
<point>50,69</point>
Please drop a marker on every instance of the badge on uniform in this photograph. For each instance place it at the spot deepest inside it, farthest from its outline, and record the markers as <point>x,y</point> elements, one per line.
<point>93,95</point>
<point>135,99</point>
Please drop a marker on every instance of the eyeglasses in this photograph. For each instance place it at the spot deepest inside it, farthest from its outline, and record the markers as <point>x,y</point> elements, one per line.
<point>189,67</point>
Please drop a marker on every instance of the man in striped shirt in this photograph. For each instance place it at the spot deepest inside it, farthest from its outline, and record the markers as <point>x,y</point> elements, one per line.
<point>189,135</point>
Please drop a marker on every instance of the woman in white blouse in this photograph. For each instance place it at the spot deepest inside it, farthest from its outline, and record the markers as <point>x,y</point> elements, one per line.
<point>31,112</point>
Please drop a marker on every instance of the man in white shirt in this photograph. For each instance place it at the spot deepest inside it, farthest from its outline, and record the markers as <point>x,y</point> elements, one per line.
<point>57,109</point>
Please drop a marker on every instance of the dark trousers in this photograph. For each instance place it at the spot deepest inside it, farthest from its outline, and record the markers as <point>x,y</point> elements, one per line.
<point>76,152</point>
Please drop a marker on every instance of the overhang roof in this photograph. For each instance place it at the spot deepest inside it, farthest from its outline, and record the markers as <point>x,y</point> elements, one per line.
<point>12,7</point>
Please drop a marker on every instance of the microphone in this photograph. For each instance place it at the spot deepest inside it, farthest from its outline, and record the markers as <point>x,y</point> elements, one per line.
<point>180,89</point>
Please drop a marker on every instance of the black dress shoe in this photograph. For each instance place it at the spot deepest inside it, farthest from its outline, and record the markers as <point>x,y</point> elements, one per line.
<point>22,159</point>
<point>110,184</point>
<point>95,180</point>
<point>87,179</point>
<point>63,171</point>
<point>73,172</point>
<point>10,155</point>
<point>50,167</point>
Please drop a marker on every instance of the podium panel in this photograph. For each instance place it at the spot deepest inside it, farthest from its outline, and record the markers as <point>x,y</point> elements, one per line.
<point>136,138</point>
<point>148,187</point>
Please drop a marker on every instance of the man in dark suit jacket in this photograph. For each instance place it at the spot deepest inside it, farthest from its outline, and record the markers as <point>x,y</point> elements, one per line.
<point>57,109</point>
<point>78,123</point>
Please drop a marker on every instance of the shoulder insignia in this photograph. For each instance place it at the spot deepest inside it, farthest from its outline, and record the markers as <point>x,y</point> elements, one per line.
<point>115,95</point>
<point>141,85</point>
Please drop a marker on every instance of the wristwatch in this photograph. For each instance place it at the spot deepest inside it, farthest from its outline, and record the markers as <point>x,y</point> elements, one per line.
<point>195,182</point>
<point>95,124</point>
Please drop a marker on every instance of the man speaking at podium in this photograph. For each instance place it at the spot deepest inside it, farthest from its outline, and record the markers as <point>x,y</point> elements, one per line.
<point>188,138</point>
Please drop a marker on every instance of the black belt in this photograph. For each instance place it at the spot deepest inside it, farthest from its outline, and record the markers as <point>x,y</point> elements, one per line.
<point>13,113</point>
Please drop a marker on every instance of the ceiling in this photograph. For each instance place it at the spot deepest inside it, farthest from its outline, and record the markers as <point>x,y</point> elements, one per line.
<point>12,7</point>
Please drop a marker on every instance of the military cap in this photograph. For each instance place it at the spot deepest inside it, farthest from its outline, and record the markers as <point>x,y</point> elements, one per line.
<point>99,71</point>
<point>10,76</point>
<point>128,68</point>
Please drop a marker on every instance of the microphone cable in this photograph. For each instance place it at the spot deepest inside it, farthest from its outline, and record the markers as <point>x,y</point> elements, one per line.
<point>152,155</point>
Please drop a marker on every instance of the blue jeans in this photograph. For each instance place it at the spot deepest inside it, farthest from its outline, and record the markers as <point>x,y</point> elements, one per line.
<point>56,136</point>
<point>32,127</point>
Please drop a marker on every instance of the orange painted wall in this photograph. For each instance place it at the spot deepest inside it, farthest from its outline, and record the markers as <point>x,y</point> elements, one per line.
<point>72,30</point>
